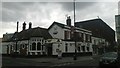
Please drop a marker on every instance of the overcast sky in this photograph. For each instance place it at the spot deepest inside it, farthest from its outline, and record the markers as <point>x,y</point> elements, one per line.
<point>43,14</point>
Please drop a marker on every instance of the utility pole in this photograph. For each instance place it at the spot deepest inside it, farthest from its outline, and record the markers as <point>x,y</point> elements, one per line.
<point>75,55</point>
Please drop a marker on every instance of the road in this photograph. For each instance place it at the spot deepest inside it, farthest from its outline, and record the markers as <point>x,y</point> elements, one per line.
<point>92,63</point>
<point>50,63</point>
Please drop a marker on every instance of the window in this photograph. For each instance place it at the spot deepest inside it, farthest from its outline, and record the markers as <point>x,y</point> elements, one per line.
<point>38,46</point>
<point>37,39</point>
<point>82,37</point>
<point>67,35</point>
<point>83,48</point>
<point>71,44</point>
<point>58,45</point>
<point>66,47</point>
<point>95,42</point>
<point>17,47</point>
<point>33,46</point>
<point>42,41</point>
<point>86,37</point>
<point>79,49</point>
<point>88,49</point>
<point>76,36</point>
<point>23,46</point>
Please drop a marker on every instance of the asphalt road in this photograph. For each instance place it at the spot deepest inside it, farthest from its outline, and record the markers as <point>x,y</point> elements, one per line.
<point>92,63</point>
<point>23,62</point>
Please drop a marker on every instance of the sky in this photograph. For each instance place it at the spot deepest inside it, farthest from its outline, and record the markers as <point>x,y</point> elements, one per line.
<point>44,13</point>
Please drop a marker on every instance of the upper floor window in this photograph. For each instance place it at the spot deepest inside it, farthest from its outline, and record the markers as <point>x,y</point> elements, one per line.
<point>67,34</point>
<point>86,37</point>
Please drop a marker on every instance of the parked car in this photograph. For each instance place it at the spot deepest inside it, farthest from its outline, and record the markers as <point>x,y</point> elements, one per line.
<point>109,59</point>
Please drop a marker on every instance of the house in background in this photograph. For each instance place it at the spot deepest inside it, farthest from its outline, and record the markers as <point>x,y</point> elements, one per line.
<point>101,31</point>
<point>6,40</point>
<point>67,34</point>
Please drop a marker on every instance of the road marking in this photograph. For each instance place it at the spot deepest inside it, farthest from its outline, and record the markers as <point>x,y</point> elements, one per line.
<point>64,64</point>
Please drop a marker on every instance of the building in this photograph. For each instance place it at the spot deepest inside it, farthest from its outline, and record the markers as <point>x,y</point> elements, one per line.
<point>85,38</point>
<point>117,20</point>
<point>31,41</point>
<point>0,45</point>
<point>67,36</point>
<point>98,45</point>
<point>101,31</point>
<point>6,40</point>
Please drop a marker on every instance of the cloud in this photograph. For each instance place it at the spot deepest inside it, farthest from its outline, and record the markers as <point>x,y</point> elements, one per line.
<point>43,14</point>
<point>119,7</point>
<point>105,10</point>
<point>68,6</point>
<point>13,11</point>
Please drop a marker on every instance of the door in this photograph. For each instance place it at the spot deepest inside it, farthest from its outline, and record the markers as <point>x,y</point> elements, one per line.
<point>49,49</point>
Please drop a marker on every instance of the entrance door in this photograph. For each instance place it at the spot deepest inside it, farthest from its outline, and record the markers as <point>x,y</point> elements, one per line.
<point>23,50</point>
<point>49,49</point>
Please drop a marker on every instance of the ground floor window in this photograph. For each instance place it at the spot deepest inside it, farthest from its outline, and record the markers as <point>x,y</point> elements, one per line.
<point>38,46</point>
<point>88,49</point>
<point>83,48</point>
<point>33,46</point>
<point>79,49</point>
<point>66,47</point>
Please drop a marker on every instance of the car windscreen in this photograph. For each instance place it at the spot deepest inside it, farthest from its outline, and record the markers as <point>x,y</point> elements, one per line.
<point>110,55</point>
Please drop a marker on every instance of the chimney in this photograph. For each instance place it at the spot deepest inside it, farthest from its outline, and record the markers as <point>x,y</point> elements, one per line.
<point>30,25</point>
<point>68,21</point>
<point>24,26</point>
<point>17,26</point>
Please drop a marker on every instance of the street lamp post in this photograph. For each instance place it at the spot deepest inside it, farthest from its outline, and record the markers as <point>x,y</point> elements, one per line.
<point>15,53</point>
<point>16,41</point>
<point>75,55</point>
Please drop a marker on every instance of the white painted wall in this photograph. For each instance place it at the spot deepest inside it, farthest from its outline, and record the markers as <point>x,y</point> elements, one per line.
<point>71,48</point>
<point>36,40</point>
<point>60,33</point>
<point>4,47</point>
<point>59,46</point>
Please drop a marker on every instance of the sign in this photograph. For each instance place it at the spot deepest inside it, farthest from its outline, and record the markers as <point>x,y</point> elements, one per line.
<point>57,50</point>
<point>53,40</point>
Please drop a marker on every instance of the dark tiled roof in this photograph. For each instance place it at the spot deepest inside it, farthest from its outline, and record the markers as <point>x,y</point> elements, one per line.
<point>98,27</point>
<point>33,32</point>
